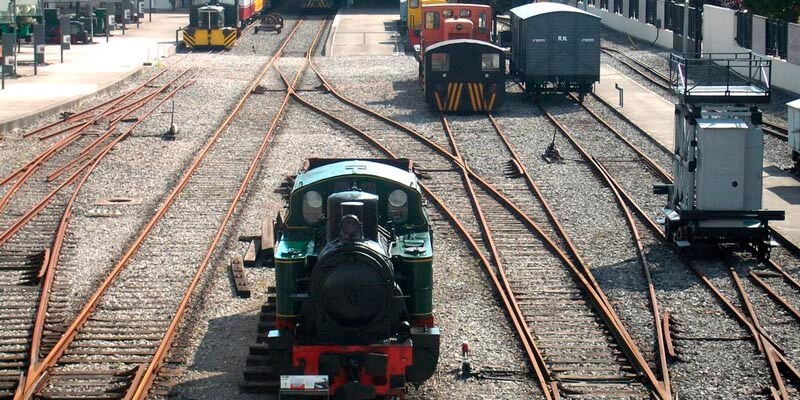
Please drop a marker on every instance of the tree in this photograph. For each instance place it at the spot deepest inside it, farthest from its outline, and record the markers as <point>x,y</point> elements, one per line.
<point>786,10</point>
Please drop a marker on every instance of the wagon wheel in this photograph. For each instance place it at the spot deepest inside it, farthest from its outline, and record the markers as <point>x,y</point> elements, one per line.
<point>274,19</point>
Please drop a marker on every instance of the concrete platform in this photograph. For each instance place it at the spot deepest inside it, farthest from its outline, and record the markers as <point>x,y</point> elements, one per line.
<point>655,115</point>
<point>87,69</point>
<point>362,32</point>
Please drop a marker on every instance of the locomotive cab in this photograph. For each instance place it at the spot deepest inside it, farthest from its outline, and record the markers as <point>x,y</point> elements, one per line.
<point>210,17</point>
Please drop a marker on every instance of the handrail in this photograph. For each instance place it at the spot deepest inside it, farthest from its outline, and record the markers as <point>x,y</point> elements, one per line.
<point>732,74</point>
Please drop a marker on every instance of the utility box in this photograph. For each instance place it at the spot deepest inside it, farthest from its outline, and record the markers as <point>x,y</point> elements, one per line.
<point>729,164</point>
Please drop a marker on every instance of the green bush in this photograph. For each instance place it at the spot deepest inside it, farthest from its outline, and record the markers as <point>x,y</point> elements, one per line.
<point>787,10</point>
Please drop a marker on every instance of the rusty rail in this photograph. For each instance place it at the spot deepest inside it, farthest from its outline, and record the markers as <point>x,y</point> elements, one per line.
<point>141,390</point>
<point>663,342</point>
<point>51,261</point>
<point>761,338</point>
<point>659,332</point>
<point>111,103</point>
<point>36,209</point>
<point>605,311</point>
<point>758,333</point>
<point>37,374</point>
<point>512,306</point>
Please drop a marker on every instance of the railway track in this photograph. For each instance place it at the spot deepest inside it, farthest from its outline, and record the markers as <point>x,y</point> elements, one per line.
<point>577,347</point>
<point>733,294</point>
<point>656,77</point>
<point>26,243</point>
<point>647,72</point>
<point>498,225</point>
<point>117,343</point>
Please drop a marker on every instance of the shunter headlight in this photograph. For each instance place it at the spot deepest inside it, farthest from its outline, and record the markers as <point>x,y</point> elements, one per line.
<point>398,205</point>
<point>312,207</point>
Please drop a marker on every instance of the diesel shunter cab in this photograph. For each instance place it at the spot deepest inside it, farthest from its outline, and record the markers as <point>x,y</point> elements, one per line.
<point>353,271</point>
<point>213,23</point>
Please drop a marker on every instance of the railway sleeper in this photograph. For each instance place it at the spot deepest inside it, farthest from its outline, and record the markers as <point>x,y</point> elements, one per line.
<point>580,358</point>
<point>79,396</point>
<point>116,338</point>
<point>127,330</point>
<point>90,352</point>
<point>596,378</point>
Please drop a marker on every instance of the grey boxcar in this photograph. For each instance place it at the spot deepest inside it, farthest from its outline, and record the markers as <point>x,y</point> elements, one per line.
<point>555,48</point>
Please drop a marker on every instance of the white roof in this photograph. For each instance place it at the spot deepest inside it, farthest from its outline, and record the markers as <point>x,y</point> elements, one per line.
<point>529,10</point>
<point>794,104</point>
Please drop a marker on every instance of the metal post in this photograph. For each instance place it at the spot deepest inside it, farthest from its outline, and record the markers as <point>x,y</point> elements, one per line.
<point>38,46</point>
<point>9,52</point>
<point>685,29</point>
<point>621,94</point>
<point>91,20</point>
<point>151,11</point>
<point>65,39</point>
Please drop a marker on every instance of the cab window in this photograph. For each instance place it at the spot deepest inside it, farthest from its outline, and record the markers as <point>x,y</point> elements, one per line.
<point>465,13</point>
<point>431,20</point>
<point>482,22</point>
<point>490,62</point>
<point>447,13</point>
<point>440,62</point>
<point>413,3</point>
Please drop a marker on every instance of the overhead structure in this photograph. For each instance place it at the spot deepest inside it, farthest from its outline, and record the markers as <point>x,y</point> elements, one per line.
<point>719,151</point>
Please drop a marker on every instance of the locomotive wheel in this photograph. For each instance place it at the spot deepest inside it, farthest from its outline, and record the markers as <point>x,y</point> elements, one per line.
<point>669,231</point>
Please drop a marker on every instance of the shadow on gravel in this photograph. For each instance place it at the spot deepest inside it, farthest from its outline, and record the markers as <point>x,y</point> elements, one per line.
<point>219,361</point>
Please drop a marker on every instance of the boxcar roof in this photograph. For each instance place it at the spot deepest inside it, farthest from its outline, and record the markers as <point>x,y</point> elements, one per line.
<point>356,168</point>
<point>533,9</point>
<point>462,41</point>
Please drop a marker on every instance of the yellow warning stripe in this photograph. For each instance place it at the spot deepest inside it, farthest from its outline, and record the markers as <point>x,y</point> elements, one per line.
<point>458,96</point>
<point>452,100</point>
<point>438,100</point>
<point>230,39</point>
<point>479,96</point>
<point>472,96</point>
<point>188,38</point>
<point>482,100</point>
<point>451,90</point>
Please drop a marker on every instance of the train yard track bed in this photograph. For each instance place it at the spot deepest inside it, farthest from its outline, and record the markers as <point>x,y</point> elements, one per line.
<point>537,265</point>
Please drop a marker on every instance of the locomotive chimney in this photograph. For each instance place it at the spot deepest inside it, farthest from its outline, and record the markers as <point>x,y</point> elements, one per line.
<point>352,215</point>
<point>361,205</point>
